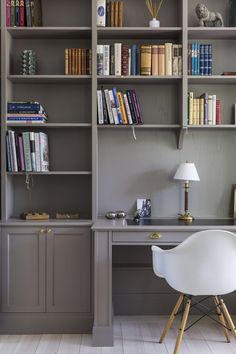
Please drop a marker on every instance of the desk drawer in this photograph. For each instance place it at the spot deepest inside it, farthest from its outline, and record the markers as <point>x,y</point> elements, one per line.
<point>152,237</point>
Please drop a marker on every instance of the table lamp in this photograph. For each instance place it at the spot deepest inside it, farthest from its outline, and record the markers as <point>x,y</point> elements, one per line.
<point>186,172</point>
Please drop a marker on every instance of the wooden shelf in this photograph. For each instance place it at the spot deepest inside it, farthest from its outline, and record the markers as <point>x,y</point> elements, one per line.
<point>50,125</point>
<point>212,80</point>
<point>49,32</point>
<point>49,78</point>
<point>54,173</point>
<point>212,32</point>
<point>139,32</point>
<point>144,126</point>
<point>138,79</point>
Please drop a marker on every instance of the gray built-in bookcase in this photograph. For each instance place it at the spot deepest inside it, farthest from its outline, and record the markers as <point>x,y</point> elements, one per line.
<point>94,168</point>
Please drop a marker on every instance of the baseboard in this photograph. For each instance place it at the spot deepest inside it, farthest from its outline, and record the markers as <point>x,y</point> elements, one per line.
<point>18,323</point>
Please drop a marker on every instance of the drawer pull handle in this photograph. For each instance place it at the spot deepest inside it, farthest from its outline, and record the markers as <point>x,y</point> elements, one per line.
<point>42,231</point>
<point>49,231</point>
<point>155,236</point>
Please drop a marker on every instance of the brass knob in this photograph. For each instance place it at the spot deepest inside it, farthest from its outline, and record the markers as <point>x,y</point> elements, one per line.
<point>155,236</point>
<point>42,231</point>
<point>49,231</point>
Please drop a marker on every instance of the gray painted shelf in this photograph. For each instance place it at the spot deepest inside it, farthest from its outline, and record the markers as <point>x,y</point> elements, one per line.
<point>50,32</point>
<point>49,78</point>
<point>139,79</point>
<point>212,80</point>
<point>49,125</point>
<point>139,33</point>
<point>53,173</point>
<point>144,126</point>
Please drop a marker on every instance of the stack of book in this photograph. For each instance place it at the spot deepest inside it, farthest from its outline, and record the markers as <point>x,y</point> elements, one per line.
<point>200,59</point>
<point>27,152</point>
<point>110,13</point>
<point>23,13</point>
<point>204,110</point>
<point>118,107</point>
<point>156,60</point>
<point>78,61</point>
<point>26,112</point>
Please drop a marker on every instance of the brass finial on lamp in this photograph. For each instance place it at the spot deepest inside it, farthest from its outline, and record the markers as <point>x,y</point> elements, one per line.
<point>186,172</point>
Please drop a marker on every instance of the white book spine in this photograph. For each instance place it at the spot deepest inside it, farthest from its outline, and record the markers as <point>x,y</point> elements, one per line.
<point>100,107</point>
<point>175,60</point>
<point>128,109</point>
<point>113,107</point>
<point>108,102</point>
<point>32,151</point>
<point>214,109</point>
<point>117,50</point>
<point>44,153</point>
<point>100,59</point>
<point>106,60</point>
<point>180,60</point>
<point>210,110</point>
<point>129,63</point>
<point>101,13</point>
<point>37,152</point>
<point>168,59</point>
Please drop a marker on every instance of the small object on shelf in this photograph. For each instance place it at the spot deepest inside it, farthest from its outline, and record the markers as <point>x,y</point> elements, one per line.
<point>137,216</point>
<point>229,73</point>
<point>234,188</point>
<point>120,214</point>
<point>208,18</point>
<point>154,8</point>
<point>28,65</point>
<point>144,205</point>
<point>101,13</point>
<point>110,215</point>
<point>232,13</point>
<point>35,216</point>
<point>67,216</point>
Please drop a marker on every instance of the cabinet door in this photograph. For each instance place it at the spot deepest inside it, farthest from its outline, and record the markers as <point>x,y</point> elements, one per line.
<point>23,269</point>
<point>68,270</point>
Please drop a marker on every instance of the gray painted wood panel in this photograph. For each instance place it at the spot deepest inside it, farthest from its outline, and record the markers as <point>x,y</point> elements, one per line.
<point>68,270</point>
<point>23,270</point>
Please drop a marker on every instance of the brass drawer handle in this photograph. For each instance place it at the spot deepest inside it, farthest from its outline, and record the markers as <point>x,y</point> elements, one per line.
<point>155,236</point>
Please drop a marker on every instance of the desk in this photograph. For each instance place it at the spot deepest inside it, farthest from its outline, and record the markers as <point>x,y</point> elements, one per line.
<point>118,232</point>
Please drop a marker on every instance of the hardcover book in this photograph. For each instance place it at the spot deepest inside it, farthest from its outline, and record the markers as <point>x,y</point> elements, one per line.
<point>101,13</point>
<point>146,60</point>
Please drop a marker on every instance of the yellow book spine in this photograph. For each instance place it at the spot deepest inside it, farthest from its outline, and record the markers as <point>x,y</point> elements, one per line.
<point>190,109</point>
<point>201,111</point>
<point>122,108</point>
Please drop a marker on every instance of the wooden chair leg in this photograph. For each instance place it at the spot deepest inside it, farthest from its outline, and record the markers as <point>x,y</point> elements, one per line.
<point>228,317</point>
<point>221,318</point>
<point>182,326</point>
<point>172,317</point>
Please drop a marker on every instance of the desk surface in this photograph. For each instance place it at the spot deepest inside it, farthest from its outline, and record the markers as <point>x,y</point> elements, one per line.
<point>164,224</point>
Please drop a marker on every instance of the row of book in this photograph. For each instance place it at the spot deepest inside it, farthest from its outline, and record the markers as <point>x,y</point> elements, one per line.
<point>27,152</point>
<point>116,107</point>
<point>26,112</point>
<point>200,59</point>
<point>204,110</point>
<point>21,13</point>
<point>78,61</point>
<point>122,59</point>
<point>110,13</point>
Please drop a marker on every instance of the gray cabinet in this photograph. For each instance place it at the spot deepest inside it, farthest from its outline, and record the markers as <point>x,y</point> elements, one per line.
<point>46,270</point>
<point>68,270</point>
<point>23,269</point>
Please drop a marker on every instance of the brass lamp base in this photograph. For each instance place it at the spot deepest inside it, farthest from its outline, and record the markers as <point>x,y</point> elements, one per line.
<point>186,217</point>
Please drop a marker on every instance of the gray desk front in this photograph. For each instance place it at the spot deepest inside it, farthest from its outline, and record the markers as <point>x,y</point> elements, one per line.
<point>118,232</point>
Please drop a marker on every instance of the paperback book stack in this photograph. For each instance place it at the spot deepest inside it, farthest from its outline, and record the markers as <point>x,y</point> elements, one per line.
<point>200,59</point>
<point>204,110</point>
<point>78,61</point>
<point>156,60</point>
<point>27,152</point>
<point>26,112</point>
<point>110,13</point>
<point>116,107</point>
<point>21,13</point>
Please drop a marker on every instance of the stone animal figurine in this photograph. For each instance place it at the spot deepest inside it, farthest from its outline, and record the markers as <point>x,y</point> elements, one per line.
<point>207,17</point>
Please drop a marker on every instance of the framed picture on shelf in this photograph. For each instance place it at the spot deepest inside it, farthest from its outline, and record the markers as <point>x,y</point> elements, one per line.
<point>234,190</point>
<point>144,205</point>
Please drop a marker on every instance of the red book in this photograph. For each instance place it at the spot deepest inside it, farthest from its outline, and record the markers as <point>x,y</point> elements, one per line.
<point>8,13</point>
<point>22,13</point>
<point>218,112</point>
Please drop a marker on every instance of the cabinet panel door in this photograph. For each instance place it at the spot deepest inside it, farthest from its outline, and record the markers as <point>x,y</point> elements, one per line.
<point>68,270</point>
<point>23,269</point>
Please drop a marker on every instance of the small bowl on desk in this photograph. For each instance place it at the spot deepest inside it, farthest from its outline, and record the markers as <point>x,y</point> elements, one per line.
<point>120,214</point>
<point>110,215</point>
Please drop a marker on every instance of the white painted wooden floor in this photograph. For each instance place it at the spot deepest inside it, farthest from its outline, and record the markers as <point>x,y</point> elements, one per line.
<point>133,335</point>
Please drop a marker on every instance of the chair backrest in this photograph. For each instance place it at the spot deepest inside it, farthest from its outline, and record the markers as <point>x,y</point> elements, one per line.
<point>204,264</point>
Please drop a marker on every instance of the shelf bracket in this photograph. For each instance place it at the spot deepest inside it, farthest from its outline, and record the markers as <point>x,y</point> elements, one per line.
<point>180,139</point>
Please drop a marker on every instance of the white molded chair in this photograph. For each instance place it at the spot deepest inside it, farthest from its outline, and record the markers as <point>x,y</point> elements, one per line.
<point>204,264</point>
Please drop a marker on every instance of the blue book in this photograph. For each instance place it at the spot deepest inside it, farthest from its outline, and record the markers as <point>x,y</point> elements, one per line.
<point>25,107</point>
<point>198,59</point>
<point>17,14</point>
<point>133,59</point>
<point>209,59</point>
<point>117,105</point>
<point>192,54</point>
<point>138,59</point>
<point>9,165</point>
<point>206,59</point>
<point>28,119</point>
<point>202,53</point>
<point>195,59</point>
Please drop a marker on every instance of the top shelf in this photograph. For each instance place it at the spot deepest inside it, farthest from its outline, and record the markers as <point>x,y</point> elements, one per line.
<point>138,32</point>
<point>49,32</point>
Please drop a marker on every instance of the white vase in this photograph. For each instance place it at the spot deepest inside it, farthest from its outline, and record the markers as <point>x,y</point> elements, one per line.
<point>154,23</point>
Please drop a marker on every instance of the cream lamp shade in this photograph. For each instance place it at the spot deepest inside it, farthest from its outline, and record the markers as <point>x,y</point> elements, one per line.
<point>187,172</point>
